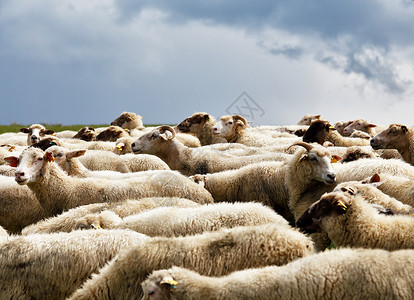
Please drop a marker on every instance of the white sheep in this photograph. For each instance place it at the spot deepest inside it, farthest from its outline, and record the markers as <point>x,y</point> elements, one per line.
<point>350,221</point>
<point>56,191</point>
<point>335,274</point>
<point>262,182</point>
<point>53,266</point>
<point>211,253</point>
<point>13,138</point>
<point>123,145</point>
<point>18,206</point>
<point>181,221</point>
<point>364,126</point>
<point>232,128</point>
<point>341,125</point>
<point>308,119</point>
<point>131,122</point>
<point>369,190</point>
<point>35,132</point>
<point>190,161</point>
<point>67,221</point>
<point>69,162</point>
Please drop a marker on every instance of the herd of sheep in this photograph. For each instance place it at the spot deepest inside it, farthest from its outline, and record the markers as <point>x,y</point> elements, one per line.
<point>208,209</point>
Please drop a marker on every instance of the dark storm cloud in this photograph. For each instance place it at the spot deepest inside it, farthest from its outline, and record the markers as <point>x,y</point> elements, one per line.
<point>373,23</point>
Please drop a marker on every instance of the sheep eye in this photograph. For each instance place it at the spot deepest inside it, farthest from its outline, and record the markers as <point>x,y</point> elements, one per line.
<point>59,155</point>
<point>312,158</point>
<point>40,159</point>
<point>151,293</point>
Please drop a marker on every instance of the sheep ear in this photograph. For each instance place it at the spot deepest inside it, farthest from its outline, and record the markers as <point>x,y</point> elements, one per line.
<point>404,129</point>
<point>304,157</point>
<point>168,281</point>
<point>48,131</point>
<point>12,161</point>
<point>166,135</point>
<point>75,153</point>
<point>49,157</point>
<point>349,190</point>
<point>335,159</point>
<point>372,125</point>
<point>24,130</point>
<point>317,116</point>
<point>375,178</point>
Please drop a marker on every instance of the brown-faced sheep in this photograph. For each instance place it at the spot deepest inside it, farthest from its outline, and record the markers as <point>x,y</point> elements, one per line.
<point>350,221</point>
<point>398,137</point>
<point>321,131</point>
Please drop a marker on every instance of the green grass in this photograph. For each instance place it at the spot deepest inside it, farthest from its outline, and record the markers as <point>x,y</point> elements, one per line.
<point>54,127</point>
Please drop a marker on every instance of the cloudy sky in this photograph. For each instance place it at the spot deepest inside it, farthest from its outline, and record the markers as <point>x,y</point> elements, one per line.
<point>85,62</point>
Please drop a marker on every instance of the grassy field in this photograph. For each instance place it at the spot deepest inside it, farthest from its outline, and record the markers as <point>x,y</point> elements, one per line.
<point>54,127</point>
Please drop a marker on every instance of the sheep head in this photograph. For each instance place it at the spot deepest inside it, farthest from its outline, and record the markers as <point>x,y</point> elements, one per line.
<point>158,285</point>
<point>194,123</point>
<point>394,137</point>
<point>317,160</point>
<point>35,132</point>
<point>308,119</point>
<point>29,164</point>
<point>230,127</point>
<point>128,120</point>
<point>155,141</point>
<point>111,134</point>
<point>317,132</point>
<point>360,124</point>
<point>330,205</point>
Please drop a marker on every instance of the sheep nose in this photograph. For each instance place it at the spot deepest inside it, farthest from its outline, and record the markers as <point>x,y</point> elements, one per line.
<point>133,145</point>
<point>19,174</point>
<point>331,176</point>
<point>33,137</point>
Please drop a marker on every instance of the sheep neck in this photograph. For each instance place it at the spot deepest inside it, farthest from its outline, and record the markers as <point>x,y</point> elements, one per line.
<point>175,154</point>
<point>76,168</point>
<point>205,133</point>
<point>51,177</point>
<point>407,152</point>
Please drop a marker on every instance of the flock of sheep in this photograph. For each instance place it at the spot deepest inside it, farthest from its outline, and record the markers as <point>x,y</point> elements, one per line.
<point>208,210</point>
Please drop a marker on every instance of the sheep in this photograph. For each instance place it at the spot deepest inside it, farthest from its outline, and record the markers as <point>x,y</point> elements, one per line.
<point>369,190</point>
<point>308,119</point>
<point>131,122</point>
<point>13,138</point>
<point>360,134</point>
<point>56,191</point>
<point>18,206</point>
<point>321,131</point>
<point>7,170</point>
<point>6,150</point>
<point>356,152</point>
<point>49,141</point>
<point>399,187</point>
<point>86,133</point>
<point>35,132</point>
<point>261,182</point>
<point>335,274</point>
<point>162,142</point>
<point>211,253</point>
<point>232,128</point>
<point>123,145</point>
<point>398,137</point>
<point>111,134</point>
<point>67,221</point>
<point>364,126</point>
<point>53,266</point>
<point>350,221</point>
<point>201,125</point>
<point>67,160</point>
<point>3,232</point>
<point>181,221</point>
<point>341,125</point>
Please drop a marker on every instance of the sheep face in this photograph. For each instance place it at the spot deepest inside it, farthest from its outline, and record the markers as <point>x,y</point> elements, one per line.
<point>111,134</point>
<point>35,132</point>
<point>330,205</point>
<point>317,132</point>
<point>123,145</point>
<point>228,126</point>
<point>29,164</point>
<point>308,119</point>
<point>360,124</point>
<point>340,126</point>
<point>321,164</point>
<point>128,120</point>
<point>63,156</point>
<point>193,123</point>
<point>86,134</point>
<point>154,142</point>
<point>158,286</point>
<point>391,138</point>
<point>47,142</point>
